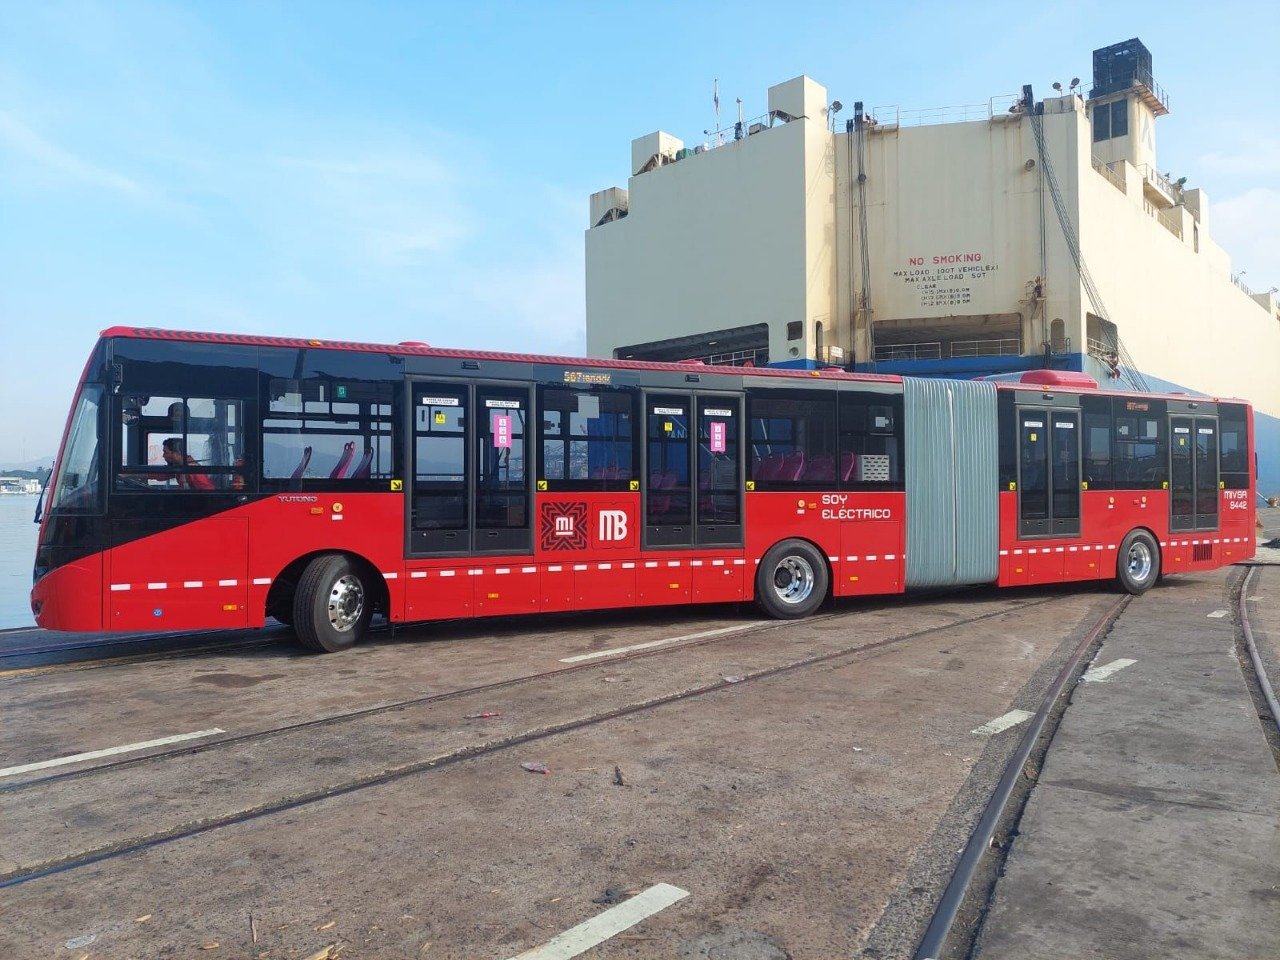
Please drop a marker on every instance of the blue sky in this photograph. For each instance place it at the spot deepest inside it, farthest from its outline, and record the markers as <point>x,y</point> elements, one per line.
<point>414,171</point>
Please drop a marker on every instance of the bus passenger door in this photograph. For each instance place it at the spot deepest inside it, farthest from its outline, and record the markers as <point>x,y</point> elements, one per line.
<point>1182,474</point>
<point>502,475</point>
<point>1033,473</point>
<point>668,466</point>
<point>719,470</point>
<point>439,501</point>
<point>1206,473</point>
<point>1065,473</point>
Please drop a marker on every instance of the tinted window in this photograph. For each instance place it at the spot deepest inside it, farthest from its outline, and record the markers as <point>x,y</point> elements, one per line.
<point>587,438</point>
<point>870,456</point>
<point>1097,442</point>
<point>792,439</point>
<point>181,443</point>
<point>79,488</point>
<point>1139,445</point>
<point>328,418</point>
<point>1234,445</point>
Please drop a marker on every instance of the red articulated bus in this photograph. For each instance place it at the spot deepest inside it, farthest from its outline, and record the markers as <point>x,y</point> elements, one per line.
<point>209,481</point>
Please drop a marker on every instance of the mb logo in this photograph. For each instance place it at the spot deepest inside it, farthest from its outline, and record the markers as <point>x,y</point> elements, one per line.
<point>613,525</point>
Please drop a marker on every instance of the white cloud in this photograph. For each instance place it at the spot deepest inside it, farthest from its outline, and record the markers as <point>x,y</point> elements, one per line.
<point>1248,228</point>
<point>1252,157</point>
<point>48,156</point>
<point>393,207</point>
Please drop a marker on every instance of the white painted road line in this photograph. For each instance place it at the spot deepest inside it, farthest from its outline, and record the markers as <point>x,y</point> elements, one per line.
<point>1107,670</point>
<point>1217,614</point>
<point>108,752</point>
<point>598,929</point>
<point>1010,719</point>
<point>660,643</point>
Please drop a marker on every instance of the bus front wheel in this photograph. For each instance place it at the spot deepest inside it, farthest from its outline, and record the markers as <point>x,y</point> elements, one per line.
<point>333,604</point>
<point>792,580</point>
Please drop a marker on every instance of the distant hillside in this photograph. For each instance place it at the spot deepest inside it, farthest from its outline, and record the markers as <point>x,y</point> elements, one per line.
<point>29,468</point>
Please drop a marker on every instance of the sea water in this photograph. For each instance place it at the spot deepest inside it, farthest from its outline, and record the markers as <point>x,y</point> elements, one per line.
<point>17,554</point>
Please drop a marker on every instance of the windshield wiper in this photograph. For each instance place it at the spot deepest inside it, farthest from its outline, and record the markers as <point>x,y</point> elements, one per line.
<point>40,499</point>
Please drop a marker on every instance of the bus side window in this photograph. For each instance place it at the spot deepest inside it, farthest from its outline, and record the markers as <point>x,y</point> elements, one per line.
<point>793,439</point>
<point>1233,427</point>
<point>1097,442</point>
<point>870,440</point>
<point>206,432</point>
<point>327,417</point>
<point>587,438</point>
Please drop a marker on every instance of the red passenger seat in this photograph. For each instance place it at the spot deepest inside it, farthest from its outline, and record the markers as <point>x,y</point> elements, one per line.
<point>821,469</point>
<point>364,467</point>
<point>348,451</point>
<point>792,466</point>
<point>848,460</point>
<point>301,468</point>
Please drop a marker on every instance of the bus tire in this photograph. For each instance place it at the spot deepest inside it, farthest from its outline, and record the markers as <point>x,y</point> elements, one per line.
<point>792,580</point>
<point>333,604</point>
<point>1138,563</point>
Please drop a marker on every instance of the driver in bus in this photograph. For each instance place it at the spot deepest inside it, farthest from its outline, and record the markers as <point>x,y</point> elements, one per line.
<point>175,456</point>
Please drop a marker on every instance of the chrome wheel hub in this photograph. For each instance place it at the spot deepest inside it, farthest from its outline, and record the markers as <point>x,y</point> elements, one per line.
<point>346,603</point>
<point>793,580</point>
<point>1140,562</point>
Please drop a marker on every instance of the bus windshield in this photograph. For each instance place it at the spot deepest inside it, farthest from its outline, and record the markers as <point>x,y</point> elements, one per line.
<point>78,487</point>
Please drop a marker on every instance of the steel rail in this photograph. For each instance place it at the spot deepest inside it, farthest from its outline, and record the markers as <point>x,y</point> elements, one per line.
<point>944,915</point>
<point>131,846</point>
<point>260,735</point>
<point>1259,670</point>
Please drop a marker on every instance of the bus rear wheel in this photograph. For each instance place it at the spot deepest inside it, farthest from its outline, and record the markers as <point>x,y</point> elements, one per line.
<point>792,580</point>
<point>1138,563</point>
<point>333,605</point>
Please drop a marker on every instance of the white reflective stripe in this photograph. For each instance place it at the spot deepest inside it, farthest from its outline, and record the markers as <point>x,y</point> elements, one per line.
<point>604,566</point>
<point>528,569</point>
<point>717,563</point>
<point>650,564</point>
<point>119,587</point>
<point>579,566</point>
<point>1004,553</point>
<point>850,559</point>
<point>474,573</point>
<point>554,569</point>
<point>502,570</point>
<point>695,563</point>
<point>1017,553</point>
<point>1004,722</point>
<point>576,941</point>
<point>261,581</point>
<point>891,556</point>
<point>673,563</point>
<point>1111,546</point>
<point>448,573</point>
<point>157,586</point>
<point>1058,550</point>
<point>1195,543</point>
<point>417,574</point>
<point>227,583</point>
<point>741,563</point>
<point>192,584</point>
<point>1072,549</point>
<point>1031,550</point>
<point>834,559</point>
<point>872,556</point>
<point>389,576</point>
<point>628,566</point>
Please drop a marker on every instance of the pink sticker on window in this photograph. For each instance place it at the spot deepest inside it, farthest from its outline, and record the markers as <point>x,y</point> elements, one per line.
<point>502,432</point>
<point>718,435</point>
